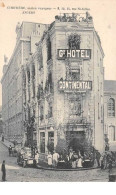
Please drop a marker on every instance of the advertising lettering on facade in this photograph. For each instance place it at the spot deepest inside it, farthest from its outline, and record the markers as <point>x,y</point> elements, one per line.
<point>85,54</point>
<point>75,85</point>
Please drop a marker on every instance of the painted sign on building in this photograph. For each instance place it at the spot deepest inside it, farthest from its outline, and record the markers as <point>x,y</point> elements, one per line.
<point>74,53</point>
<point>75,85</point>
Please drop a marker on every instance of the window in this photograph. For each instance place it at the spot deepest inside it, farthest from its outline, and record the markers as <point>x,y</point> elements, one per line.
<point>29,94</point>
<point>28,75</point>
<point>75,74</point>
<point>49,49</point>
<point>33,72</point>
<point>50,113</point>
<point>74,41</point>
<point>112,134</point>
<point>75,107</point>
<point>50,137</point>
<point>50,142</point>
<point>42,142</point>
<point>41,113</point>
<point>111,107</point>
<point>50,83</point>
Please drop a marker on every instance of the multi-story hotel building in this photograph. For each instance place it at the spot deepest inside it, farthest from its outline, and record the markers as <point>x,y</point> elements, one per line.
<point>12,84</point>
<point>61,88</point>
<point>63,83</point>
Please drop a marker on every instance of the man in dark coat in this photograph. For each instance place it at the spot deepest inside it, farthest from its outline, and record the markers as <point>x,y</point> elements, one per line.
<point>10,150</point>
<point>3,169</point>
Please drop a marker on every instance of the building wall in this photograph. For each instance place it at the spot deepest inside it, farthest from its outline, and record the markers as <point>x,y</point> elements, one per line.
<point>12,83</point>
<point>110,121</point>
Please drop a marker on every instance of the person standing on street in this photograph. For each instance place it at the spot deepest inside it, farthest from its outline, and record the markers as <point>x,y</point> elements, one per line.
<point>55,159</point>
<point>10,149</point>
<point>3,169</point>
<point>49,157</point>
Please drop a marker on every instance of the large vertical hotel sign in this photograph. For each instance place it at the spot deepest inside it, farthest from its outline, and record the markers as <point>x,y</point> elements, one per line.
<point>85,54</point>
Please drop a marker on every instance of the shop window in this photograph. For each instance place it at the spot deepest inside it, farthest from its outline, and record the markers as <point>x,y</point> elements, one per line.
<point>111,107</point>
<point>42,142</point>
<point>112,134</point>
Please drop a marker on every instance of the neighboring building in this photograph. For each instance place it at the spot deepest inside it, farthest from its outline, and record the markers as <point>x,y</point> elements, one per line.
<point>12,90</point>
<point>67,100</point>
<point>1,122</point>
<point>110,112</point>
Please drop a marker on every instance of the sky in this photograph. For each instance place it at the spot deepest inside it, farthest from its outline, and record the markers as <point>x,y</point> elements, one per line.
<point>102,11</point>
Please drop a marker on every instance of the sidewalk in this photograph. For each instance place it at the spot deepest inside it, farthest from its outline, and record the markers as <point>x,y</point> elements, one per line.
<point>7,143</point>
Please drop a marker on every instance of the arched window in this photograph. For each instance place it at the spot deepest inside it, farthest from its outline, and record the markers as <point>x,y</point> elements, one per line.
<point>111,107</point>
<point>112,133</point>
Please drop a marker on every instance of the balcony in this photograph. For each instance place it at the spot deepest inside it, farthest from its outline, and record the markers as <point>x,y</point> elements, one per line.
<point>78,121</point>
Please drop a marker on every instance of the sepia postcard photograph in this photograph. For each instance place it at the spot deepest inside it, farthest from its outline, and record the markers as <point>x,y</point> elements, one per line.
<point>57,91</point>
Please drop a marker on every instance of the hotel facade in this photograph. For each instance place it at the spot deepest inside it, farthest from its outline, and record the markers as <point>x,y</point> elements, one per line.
<point>61,88</point>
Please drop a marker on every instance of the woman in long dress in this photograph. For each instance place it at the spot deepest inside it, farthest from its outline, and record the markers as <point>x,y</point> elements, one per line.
<point>49,157</point>
<point>80,162</point>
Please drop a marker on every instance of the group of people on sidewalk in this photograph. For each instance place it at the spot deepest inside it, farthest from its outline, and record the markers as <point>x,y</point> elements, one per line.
<point>71,160</point>
<point>76,160</point>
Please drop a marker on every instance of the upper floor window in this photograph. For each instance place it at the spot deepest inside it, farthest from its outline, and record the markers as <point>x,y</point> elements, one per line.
<point>28,75</point>
<point>111,107</point>
<point>41,113</point>
<point>74,74</point>
<point>33,72</point>
<point>49,53</point>
<point>74,41</point>
<point>75,107</point>
<point>50,111</point>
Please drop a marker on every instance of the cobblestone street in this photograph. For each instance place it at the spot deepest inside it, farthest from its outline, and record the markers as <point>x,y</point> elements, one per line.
<point>16,173</point>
